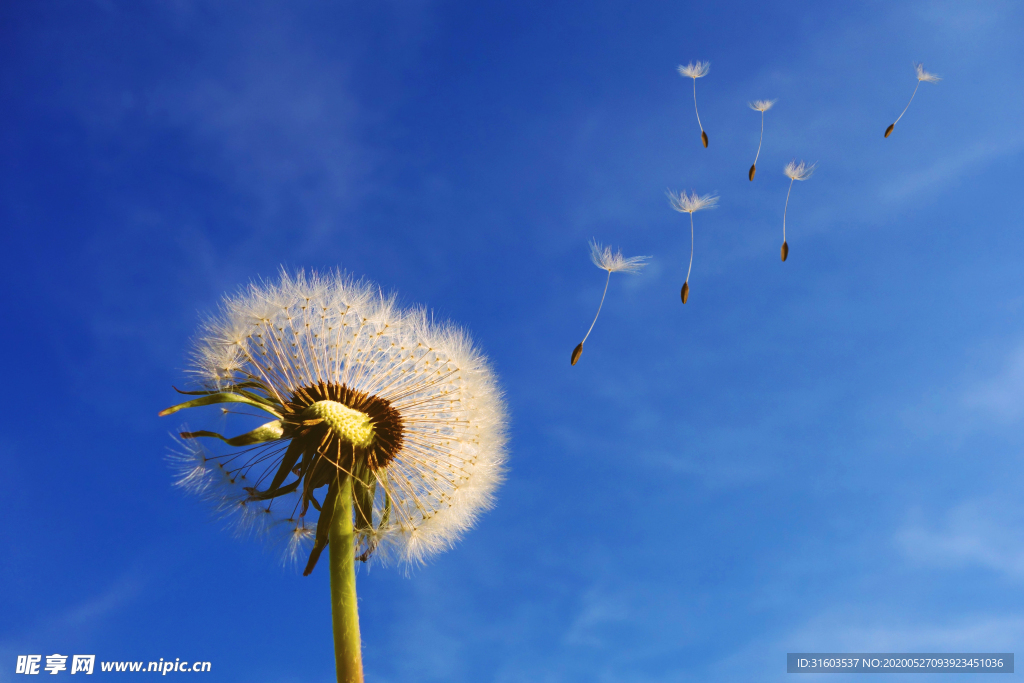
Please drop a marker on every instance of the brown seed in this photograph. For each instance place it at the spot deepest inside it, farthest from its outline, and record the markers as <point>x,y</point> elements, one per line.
<point>577,352</point>
<point>753,169</point>
<point>785,250</point>
<point>704,138</point>
<point>684,294</point>
<point>888,130</point>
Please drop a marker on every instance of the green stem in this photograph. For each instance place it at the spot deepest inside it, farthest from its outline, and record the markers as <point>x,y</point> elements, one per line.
<point>348,655</point>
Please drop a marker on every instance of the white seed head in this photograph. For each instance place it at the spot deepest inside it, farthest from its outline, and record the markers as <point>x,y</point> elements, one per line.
<point>695,69</point>
<point>685,203</point>
<point>203,474</point>
<point>799,171</point>
<point>302,331</point>
<point>761,105</point>
<point>923,75</point>
<point>298,540</point>
<point>604,258</point>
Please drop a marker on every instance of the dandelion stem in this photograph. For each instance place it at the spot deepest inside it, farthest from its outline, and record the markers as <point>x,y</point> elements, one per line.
<point>908,103</point>
<point>606,281</point>
<point>695,105</point>
<point>786,209</point>
<point>348,655</point>
<point>759,141</point>
<point>691,249</point>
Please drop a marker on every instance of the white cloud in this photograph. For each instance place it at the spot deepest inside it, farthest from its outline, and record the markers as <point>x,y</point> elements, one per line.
<point>1001,396</point>
<point>980,533</point>
<point>79,621</point>
<point>952,167</point>
<point>879,633</point>
<point>603,607</point>
<point>845,629</point>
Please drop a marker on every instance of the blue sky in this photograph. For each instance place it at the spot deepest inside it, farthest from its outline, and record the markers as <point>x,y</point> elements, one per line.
<point>820,455</point>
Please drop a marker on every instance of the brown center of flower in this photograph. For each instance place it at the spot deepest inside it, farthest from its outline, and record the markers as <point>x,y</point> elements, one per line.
<point>348,427</point>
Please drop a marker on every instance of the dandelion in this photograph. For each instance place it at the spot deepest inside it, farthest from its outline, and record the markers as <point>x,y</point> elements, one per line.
<point>695,71</point>
<point>761,106</point>
<point>605,259</point>
<point>922,76</point>
<point>794,171</point>
<point>689,204</point>
<point>388,425</point>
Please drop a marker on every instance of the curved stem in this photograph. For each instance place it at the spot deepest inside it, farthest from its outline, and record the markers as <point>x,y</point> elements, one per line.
<point>348,657</point>
<point>691,249</point>
<point>695,105</point>
<point>760,141</point>
<point>786,209</point>
<point>908,104</point>
<point>606,281</point>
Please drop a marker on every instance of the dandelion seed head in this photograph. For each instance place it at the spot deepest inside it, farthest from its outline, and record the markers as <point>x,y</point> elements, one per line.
<point>615,262</point>
<point>691,203</point>
<point>298,539</point>
<point>799,171</point>
<point>694,69</point>
<point>194,472</point>
<point>923,75</point>
<point>761,105</point>
<point>367,388</point>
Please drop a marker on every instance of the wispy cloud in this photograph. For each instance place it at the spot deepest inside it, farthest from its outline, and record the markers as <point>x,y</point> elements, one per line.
<point>77,621</point>
<point>280,127</point>
<point>975,402</point>
<point>846,629</point>
<point>1000,396</point>
<point>842,632</point>
<point>985,533</point>
<point>955,166</point>
<point>603,612</point>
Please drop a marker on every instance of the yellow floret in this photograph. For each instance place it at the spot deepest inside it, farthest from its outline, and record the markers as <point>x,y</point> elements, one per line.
<point>351,425</point>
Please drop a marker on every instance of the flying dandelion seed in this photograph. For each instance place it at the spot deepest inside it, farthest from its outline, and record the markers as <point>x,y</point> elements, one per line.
<point>605,259</point>
<point>388,425</point>
<point>761,106</point>
<point>684,203</point>
<point>695,71</point>
<point>922,76</point>
<point>794,171</point>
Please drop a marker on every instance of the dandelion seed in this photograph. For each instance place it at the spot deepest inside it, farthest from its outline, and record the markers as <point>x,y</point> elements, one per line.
<point>605,259</point>
<point>690,204</point>
<point>793,171</point>
<point>761,106</point>
<point>387,424</point>
<point>695,71</point>
<point>922,76</point>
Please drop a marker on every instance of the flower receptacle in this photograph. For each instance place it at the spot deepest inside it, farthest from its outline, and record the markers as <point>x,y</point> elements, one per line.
<point>351,425</point>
